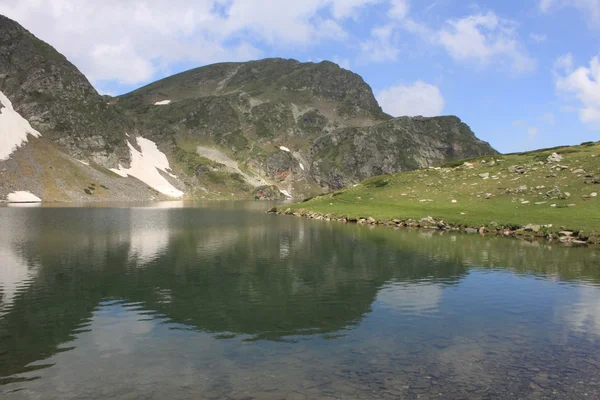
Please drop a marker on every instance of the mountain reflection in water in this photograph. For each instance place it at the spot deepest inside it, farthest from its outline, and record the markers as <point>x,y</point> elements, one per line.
<point>222,300</point>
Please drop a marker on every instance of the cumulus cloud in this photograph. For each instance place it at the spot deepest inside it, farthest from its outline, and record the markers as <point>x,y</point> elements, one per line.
<point>399,9</point>
<point>486,38</point>
<point>583,83</point>
<point>381,47</point>
<point>133,41</point>
<point>420,98</point>
<point>480,40</point>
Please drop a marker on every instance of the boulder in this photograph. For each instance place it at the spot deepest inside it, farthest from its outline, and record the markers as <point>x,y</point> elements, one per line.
<point>554,157</point>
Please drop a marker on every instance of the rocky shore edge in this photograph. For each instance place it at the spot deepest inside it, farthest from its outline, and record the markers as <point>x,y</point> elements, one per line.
<point>528,232</point>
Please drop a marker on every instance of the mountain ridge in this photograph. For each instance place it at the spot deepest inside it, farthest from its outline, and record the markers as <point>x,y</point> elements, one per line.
<point>227,130</point>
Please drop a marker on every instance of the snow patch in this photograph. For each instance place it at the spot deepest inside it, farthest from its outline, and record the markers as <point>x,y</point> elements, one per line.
<point>145,165</point>
<point>22,197</point>
<point>119,171</point>
<point>301,166</point>
<point>286,193</point>
<point>162,103</point>
<point>83,162</point>
<point>14,128</point>
<point>284,149</point>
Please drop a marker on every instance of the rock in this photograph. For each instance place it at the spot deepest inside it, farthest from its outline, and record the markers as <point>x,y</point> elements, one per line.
<point>565,233</point>
<point>594,194</point>
<point>427,220</point>
<point>371,220</point>
<point>484,176</point>
<point>594,180</point>
<point>554,157</point>
<point>579,171</point>
<point>554,193</point>
<point>553,205</point>
<point>517,169</point>
<point>488,195</point>
<point>532,228</point>
<point>268,192</point>
<point>521,189</point>
<point>454,201</point>
<point>539,203</point>
<point>525,202</point>
<point>567,194</point>
<point>471,230</point>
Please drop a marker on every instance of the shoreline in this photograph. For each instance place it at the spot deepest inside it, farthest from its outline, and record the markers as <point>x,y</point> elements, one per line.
<point>529,232</point>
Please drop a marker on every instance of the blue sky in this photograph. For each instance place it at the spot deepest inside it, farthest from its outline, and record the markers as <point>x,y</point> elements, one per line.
<point>523,74</point>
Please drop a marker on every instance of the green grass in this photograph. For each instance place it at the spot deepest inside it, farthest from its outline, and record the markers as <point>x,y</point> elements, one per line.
<point>429,192</point>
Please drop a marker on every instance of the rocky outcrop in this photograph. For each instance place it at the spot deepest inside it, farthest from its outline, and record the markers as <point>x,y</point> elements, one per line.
<point>268,193</point>
<point>326,118</point>
<point>58,100</point>
<point>347,156</point>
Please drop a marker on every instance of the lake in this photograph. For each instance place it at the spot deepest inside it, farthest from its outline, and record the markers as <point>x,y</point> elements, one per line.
<point>221,301</point>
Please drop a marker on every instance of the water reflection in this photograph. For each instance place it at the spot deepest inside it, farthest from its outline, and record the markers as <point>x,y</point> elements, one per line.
<point>221,300</point>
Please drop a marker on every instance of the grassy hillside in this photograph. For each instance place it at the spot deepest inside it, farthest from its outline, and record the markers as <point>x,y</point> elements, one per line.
<point>510,191</point>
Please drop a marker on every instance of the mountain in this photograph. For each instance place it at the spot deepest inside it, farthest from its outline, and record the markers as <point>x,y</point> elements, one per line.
<point>257,129</point>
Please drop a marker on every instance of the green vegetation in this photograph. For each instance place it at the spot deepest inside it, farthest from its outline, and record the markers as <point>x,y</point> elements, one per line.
<point>511,190</point>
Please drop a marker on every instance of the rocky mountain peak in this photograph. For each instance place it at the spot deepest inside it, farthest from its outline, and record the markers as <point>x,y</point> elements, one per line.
<point>57,98</point>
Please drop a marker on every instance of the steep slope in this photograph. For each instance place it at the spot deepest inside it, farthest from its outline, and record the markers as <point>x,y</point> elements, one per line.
<point>59,137</point>
<point>303,127</point>
<point>51,93</point>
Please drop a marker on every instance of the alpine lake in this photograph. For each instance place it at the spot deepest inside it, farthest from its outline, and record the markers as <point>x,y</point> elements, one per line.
<point>182,300</point>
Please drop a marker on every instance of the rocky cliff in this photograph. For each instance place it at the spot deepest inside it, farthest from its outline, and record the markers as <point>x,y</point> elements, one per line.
<point>226,130</point>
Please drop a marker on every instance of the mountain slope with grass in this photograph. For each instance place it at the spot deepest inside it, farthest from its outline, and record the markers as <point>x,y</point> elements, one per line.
<point>549,192</point>
<point>302,128</point>
<point>266,129</point>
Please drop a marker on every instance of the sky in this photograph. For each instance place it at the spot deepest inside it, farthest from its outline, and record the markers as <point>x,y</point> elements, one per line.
<point>523,74</point>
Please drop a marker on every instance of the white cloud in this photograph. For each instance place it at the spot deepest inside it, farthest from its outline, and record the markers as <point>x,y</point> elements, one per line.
<point>419,98</point>
<point>590,8</point>
<point>583,83</point>
<point>399,9</point>
<point>381,47</point>
<point>137,40</point>
<point>538,37</point>
<point>485,38</point>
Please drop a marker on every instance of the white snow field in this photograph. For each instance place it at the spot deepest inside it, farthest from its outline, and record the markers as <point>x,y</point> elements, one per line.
<point>162,103</point>
<point>145,166</point>
<point>13,128</point>
<point>22,197</point>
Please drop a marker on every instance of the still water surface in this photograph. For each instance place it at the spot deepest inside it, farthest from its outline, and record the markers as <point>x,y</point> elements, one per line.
<point>220,301</point>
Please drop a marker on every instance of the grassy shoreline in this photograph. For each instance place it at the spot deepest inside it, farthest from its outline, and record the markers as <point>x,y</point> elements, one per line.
<point>551,193</point>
